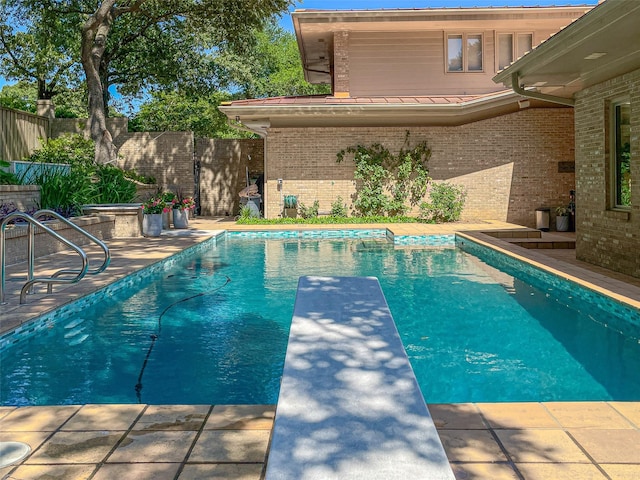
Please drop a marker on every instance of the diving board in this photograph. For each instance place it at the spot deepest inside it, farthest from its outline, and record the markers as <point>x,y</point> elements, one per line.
<point>350,407</point>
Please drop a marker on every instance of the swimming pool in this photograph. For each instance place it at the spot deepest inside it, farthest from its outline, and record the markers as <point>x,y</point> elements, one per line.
<point>213,330</point>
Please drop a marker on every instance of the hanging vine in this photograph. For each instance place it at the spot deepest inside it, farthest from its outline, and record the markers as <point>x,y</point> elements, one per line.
<point>388,184</point>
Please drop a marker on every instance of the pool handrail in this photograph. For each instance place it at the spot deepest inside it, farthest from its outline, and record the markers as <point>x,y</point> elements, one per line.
<point>31,280</point>
<point>103,247</point>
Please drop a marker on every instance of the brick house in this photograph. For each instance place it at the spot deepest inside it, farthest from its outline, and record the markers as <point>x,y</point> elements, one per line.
<point>429,72</point>
<point>594,64</point>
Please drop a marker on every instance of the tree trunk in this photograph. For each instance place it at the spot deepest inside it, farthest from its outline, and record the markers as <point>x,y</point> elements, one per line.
<point>94,39</point>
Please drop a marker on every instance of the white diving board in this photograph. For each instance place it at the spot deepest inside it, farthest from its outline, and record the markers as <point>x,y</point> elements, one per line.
<point>350,407</point>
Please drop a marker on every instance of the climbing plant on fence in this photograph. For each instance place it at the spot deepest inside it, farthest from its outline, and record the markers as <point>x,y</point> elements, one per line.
<point>388,184</point>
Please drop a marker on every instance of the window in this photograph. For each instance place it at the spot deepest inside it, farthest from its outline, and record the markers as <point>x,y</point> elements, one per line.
<point>464,53</point>
<point>621,150</point>
<point>508,43</point>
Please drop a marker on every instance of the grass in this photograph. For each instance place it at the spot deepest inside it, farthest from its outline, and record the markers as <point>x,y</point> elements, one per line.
<point>325,220</point>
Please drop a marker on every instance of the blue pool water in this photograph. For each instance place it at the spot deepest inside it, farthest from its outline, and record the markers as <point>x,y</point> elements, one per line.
<point>213,330</point>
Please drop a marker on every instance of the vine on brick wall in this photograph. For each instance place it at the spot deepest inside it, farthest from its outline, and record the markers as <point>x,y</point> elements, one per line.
<point>388,184</point>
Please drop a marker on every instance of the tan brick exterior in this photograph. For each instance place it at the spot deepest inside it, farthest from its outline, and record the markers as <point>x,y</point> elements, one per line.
<point>606,237</point>
<point>224,163</point>
<point>508,164</point>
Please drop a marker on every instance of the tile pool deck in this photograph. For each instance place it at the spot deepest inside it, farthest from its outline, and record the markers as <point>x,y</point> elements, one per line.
<point>531,441</point>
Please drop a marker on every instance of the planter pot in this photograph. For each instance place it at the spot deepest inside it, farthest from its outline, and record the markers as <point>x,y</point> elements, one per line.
<point>167,219</point>
<point>152,224</point>
<point>562,223</point>
<point>180,218</point>
<point>290,212</point>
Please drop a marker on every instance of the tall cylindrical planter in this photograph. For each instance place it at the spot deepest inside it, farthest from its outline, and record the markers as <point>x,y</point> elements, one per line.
<point>180,218</point>
<point>562,223</point>
<point>152,224</point>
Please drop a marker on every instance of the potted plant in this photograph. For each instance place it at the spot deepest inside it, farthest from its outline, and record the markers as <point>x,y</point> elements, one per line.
<point>562,219</point>
<point>290,206</point>
<point>168,198</point>
<point>152,211</point>
<point>181,208</point>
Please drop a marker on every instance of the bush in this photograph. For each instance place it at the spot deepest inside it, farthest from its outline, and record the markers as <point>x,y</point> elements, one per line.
<point>7,178</point>
<point>338,208</point>
<point>447,203</point>
<point>85,183</point>
<point>309,212</point>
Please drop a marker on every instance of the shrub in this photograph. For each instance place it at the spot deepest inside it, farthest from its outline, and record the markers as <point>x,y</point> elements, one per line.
<point>386,183</point>
<point>309,212</point>
<point>7,178</point>
<point>446,205</point>
<point>338,208</point>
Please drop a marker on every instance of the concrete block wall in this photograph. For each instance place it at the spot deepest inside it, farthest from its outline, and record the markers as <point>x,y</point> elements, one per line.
<point>24,197</point>
<point>223,164</point>
<point>606,236</point>
<point>508,164</point>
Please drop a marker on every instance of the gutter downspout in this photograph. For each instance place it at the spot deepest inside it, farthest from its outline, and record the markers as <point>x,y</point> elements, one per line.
<point>515,84</point>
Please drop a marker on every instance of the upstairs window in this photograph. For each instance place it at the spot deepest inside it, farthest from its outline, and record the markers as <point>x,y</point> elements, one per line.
<point>512,46</point>
<point>464,53</point>
<point>621,149</point>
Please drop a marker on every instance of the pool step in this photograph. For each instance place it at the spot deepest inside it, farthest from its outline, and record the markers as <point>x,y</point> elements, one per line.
<point>535,239</point>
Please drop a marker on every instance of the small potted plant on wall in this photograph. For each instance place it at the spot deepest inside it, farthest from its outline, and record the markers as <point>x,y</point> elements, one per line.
<point>290,206</point>
<point>562,219</point>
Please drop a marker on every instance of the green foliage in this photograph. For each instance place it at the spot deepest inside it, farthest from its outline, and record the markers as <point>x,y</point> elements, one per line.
<point>178,111</point>
<point>86,183</point>
<point>246,215</point>
<point>309,212</point>
<point>625,175</point>
<point>386,183</point>
<point>70,148</point>
<point>338,208</point>
<point>446,205</point>
<point>112,186</point>
<point>7,178</point>
<point>133,175</point>
<point>40,46</point>
<point>268,66</point>
<point>325,220</point>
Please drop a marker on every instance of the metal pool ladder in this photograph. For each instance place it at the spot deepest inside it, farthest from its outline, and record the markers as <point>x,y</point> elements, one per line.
<point>61,276</point>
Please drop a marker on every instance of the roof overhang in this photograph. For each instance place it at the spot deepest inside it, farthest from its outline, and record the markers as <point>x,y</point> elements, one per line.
<point>315,29</point>
<point>259,116</point>
<point>602,44</point>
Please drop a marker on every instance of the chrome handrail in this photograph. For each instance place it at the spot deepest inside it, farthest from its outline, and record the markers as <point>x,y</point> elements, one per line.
<point>31,222</point>
<point>105,249</point>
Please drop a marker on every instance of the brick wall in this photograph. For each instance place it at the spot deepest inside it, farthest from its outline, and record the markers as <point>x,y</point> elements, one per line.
<point>606,237</point>
<point>116,126</point>
<point>24,197</point>
<point>508,164</point>
<point>167,156</point>
<point>223,166</point>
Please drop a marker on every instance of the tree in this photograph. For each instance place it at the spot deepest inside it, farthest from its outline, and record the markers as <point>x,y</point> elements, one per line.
<point>37,45</point>
<point>181,111</point>
<point>271,67</point>
<point>221,22</point>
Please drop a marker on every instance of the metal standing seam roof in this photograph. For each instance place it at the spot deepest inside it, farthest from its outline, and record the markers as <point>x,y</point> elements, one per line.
<point>331,100</point>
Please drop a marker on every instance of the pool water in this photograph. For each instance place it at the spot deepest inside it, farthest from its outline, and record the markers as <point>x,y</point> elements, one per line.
<point>214,330</point>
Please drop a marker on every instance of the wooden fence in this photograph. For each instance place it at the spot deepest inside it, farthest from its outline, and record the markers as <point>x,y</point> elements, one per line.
<point>20,133</point>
